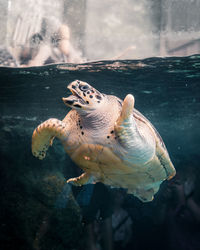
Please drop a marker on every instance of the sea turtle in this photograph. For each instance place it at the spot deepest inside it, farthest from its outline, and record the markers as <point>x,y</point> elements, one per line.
<point>109,140</point>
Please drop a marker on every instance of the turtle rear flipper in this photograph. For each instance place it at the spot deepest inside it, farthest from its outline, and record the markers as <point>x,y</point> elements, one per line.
<point>143,194</point>
<point>80,180</point>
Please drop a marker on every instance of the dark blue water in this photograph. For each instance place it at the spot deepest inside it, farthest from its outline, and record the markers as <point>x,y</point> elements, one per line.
<point>38,211</point>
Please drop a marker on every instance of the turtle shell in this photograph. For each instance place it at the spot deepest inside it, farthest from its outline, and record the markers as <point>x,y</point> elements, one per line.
<point>143,181</point>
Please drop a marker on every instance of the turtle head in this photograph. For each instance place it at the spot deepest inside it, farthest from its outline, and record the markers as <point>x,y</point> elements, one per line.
<point>84,96</point>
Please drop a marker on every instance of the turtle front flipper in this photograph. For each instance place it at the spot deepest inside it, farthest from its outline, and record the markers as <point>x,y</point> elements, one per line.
<point>134,135</point>
<point>43,136</point>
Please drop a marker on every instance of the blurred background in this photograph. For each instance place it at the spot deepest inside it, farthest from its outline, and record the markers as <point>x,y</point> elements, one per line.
<point>37,32</point>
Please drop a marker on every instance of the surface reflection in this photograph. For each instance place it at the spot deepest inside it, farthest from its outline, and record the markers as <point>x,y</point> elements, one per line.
<point>66,31</point>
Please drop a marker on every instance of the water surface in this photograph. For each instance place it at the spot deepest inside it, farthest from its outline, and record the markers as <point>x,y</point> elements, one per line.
<point>166,91</point>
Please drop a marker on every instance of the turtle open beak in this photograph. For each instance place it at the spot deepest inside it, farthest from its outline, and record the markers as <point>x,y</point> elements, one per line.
<point>68,100</point>
<point>74,100</point>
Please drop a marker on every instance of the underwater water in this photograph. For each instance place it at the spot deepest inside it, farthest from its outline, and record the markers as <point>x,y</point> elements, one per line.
<point>39,211</point>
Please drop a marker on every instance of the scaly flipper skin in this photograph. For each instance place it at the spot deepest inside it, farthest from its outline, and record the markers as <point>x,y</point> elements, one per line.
<point>81,180</point>
<point>127,109</point>
<point>137,140</point>
<point>43,136</point>
<point>145,195</point>
<point>125,123</point>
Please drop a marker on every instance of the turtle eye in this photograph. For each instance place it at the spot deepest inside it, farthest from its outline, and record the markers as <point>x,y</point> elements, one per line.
<point>84,87</point>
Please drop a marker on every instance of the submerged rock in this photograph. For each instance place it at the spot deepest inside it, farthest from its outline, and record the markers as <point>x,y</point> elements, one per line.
<point>30,217</point>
